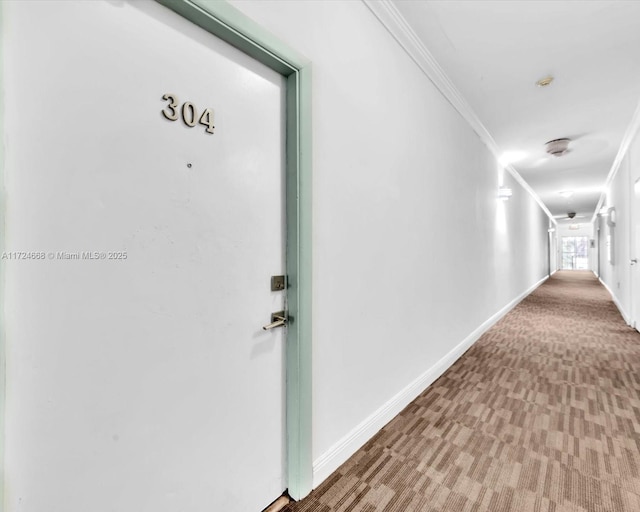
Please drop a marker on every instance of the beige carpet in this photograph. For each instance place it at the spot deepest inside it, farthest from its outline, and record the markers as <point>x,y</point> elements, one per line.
<point>541,414</point>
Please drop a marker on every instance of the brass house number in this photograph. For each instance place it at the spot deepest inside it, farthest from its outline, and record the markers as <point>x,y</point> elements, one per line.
<point>188,112</point>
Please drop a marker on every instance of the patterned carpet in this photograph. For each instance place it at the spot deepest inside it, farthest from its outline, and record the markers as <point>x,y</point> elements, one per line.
<point>541,414</point>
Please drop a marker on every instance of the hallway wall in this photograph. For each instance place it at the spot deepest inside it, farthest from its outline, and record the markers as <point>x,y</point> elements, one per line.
<point>617,275</point>
<point>413,251</point>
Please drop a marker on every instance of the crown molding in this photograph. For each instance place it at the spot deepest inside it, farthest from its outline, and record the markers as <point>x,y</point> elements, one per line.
<point>627,139</point>
<point>402,32</point>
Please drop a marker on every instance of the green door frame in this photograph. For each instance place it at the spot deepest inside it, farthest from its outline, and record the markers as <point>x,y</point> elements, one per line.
<point>229,24</point>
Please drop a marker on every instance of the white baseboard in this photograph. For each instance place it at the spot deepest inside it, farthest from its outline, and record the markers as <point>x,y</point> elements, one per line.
<point>624,314</point>
<point>331,460</point>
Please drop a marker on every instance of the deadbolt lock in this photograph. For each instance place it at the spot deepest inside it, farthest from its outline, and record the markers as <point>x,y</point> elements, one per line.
<point>277,283</point>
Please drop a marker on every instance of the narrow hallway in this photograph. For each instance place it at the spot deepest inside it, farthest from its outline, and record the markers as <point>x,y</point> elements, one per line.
<point>541,414</point>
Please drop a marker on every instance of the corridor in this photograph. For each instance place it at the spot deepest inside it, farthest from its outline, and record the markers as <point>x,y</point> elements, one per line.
<point>261,249</point>
<point>541,414</point>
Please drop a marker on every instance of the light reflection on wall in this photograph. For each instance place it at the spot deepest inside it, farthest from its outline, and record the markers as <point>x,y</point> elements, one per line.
<point>501,240</point>
<point>501,219</point>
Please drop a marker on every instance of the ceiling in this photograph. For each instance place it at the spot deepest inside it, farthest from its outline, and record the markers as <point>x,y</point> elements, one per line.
<point>494,52</point>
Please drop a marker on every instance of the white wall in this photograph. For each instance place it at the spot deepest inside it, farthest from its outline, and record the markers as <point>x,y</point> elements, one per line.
<point>413,254</point>
<point>617,276</point>
<point>412,250</point>
<point>554,257</point>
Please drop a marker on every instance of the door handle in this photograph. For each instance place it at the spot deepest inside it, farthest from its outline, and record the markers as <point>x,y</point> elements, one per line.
<point>278,319</point>
<point>633,261</point>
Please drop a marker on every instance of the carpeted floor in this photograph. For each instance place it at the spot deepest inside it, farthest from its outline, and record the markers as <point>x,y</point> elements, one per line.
<point>541,414</point>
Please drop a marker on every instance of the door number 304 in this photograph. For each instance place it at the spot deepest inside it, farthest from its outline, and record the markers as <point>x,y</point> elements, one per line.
<point>188,112</point>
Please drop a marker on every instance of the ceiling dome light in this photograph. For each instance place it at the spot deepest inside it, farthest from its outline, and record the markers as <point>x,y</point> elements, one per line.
<point>558,147</point>
<point>566,193</point>
<point>543,82</point>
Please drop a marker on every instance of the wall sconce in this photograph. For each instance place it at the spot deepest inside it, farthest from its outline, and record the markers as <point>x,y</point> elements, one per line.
<point>611,216</point>
<point>504,193</point>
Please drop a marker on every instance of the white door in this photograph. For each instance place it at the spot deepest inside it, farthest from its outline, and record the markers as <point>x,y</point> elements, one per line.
<point>635,255</point>
<point>146,382</point>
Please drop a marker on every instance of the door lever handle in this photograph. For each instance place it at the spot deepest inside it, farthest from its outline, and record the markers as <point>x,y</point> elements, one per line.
<point>633,261</point>
<point>277,320</point>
